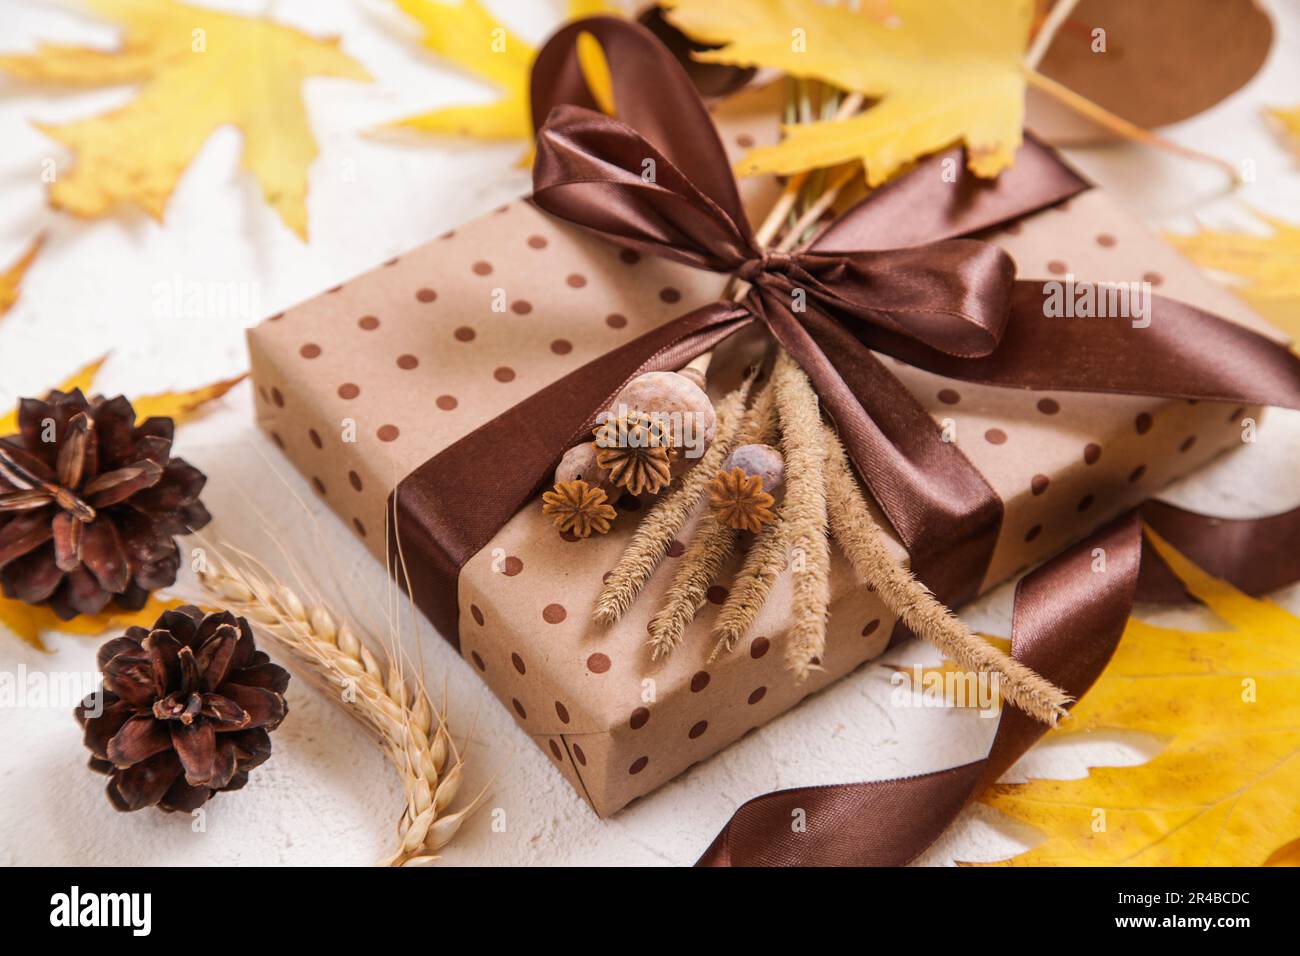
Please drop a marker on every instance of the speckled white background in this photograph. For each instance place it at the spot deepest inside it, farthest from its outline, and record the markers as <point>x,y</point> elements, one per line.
<point>327,797</point>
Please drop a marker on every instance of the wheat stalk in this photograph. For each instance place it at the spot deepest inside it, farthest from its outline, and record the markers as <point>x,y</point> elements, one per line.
<point>412,731</point>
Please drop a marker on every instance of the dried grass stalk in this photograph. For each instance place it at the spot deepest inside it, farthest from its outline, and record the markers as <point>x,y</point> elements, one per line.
<point>766,559</point>
<point>864,543</point>
<point>660,527</point>
<point>373,690</point>
<point>711,545</point>
<point>701,564</point>
<point>804,512</point>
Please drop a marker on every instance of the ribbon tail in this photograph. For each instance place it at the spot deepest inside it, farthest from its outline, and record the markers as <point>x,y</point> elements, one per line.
<point>450,507</point>
<point>1255,555</point>
<point>1066,625</point>
<point>943,510</point>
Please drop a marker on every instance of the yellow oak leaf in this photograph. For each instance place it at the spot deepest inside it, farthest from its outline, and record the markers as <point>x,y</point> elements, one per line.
<point>12,277</point>
<point>1289,122</point>
<point>470,36</point>
<point>1265,269</point>
<point>197,70</point>
<point>941,72</point>
<point>1222,791</point>
<point>29,622</point>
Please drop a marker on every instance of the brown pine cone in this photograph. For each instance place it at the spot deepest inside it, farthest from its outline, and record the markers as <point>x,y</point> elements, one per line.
<point>187,710</point>
<point>90,504</point>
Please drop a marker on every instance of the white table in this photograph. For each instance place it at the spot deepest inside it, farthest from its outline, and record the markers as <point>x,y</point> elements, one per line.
<point>327,797</point>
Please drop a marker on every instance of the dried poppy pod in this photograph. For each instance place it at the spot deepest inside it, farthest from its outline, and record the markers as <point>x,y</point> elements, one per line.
<point>683,410</point>
<point>636,452</point>
<point>762,460</point>
<point>579,464</point>
<point>579,508</point>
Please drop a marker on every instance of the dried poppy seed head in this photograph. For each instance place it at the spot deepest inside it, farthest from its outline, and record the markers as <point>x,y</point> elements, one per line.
<point>739,500</point>
<point>636,451</point>
<point>762,460</point>
<point>578,507</point>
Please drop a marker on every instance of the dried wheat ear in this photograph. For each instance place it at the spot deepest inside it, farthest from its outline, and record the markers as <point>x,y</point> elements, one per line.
<point>373,687</point>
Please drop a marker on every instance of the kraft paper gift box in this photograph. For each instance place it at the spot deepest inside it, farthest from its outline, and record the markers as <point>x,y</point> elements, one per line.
<point>425,348</point>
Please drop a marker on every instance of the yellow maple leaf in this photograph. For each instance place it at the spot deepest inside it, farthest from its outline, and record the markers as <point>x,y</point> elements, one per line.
<point>941,71</point>
<point>29,622</point>
<point>1289,122</point>
<point>181,405</point>
<point>1266,269</point>
<point>197,69</point>
<point>12,277</point>
<point>470,36</point>
<point>1222,792</point>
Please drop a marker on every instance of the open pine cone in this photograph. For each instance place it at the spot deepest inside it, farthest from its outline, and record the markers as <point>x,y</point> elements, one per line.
<point>188,708</point>
<point>90,504</point>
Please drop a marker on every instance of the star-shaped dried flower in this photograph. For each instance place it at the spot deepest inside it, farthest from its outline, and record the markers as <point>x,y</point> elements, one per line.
<point>636,451</point>
<point>578,507</point>
<point>739,500</point>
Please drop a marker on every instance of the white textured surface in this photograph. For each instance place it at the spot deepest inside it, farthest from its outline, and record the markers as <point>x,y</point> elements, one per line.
<point>327,797</point>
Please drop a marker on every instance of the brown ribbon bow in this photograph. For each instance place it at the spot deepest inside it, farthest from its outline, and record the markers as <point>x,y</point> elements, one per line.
<point>893,275</point>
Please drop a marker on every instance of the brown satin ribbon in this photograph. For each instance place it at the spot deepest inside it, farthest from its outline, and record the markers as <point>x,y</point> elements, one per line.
<point>1066,623</point>
<point>893,275</point>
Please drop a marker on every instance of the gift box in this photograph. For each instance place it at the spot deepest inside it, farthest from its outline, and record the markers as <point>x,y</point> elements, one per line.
<point>363,384</point>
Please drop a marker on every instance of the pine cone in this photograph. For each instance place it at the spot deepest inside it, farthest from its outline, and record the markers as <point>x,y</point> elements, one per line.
<point>637,452</point>
<point>188,708</point>
<point>90,504</point>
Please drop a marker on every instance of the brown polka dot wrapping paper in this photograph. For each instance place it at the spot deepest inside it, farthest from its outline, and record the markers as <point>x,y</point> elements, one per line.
<point>369,380</point>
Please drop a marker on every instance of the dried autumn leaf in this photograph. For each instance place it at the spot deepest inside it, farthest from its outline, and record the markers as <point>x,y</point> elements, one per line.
<point>1267,268</point>
<point>942,72</point>
<point>181,405</point>
<point>12,277</point>
<point>29,622</point>
<point>1222,792</point>
<point>470,36</point>
<point>1289,122</point>
<point>198,69</point>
